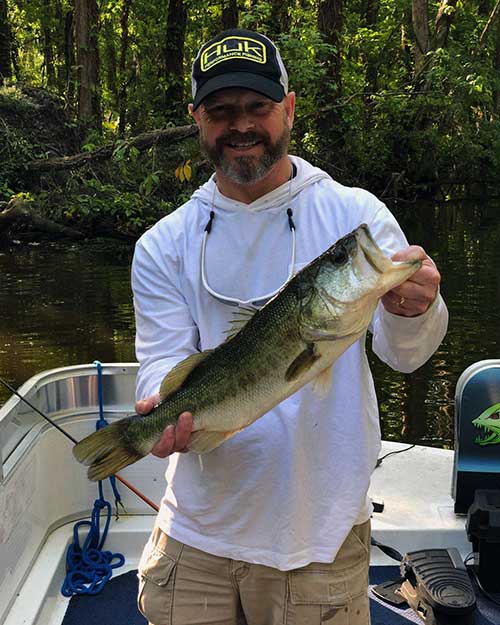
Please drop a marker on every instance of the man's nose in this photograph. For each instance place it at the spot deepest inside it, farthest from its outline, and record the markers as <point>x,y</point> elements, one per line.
<point>242,120</point>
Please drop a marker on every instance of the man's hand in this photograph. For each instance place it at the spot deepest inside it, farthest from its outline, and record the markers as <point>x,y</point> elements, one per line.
<point>413,297</point>
<point>174,438</point>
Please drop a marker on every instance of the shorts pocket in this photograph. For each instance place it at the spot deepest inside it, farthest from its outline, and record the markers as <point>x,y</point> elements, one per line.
<point>156,586</point>
<point>316,584</point>
<point>321,596</point>
<point>322,592</point>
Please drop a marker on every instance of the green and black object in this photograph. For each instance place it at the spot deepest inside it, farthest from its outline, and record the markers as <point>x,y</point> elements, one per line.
<point>436,585</point>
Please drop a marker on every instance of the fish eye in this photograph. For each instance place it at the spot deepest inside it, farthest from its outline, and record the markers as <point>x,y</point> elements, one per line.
<point>339,256</point>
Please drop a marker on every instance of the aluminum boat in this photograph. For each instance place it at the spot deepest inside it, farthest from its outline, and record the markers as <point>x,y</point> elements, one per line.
<point>43,491</point>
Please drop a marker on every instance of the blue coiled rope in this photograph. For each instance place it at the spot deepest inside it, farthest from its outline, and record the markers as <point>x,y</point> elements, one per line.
<point>88,567</point>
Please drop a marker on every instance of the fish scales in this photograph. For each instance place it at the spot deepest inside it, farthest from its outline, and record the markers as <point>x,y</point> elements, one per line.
<point>239,375</point>
<point>292,340</point>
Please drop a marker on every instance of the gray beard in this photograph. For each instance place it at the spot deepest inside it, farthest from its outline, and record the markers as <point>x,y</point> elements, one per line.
<point>245,169</point>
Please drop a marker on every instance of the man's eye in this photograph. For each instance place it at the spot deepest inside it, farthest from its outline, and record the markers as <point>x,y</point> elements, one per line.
<point>218,111</point>
<point>262,107</point>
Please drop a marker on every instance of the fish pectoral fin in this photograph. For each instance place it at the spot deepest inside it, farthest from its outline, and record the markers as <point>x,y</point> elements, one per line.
<point>302,363</point>
<point>203,440</point>
<point>322,382</point>
<point>174,378</point>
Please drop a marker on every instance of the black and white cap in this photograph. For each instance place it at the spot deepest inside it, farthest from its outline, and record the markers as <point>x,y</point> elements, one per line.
<point>239,58</point>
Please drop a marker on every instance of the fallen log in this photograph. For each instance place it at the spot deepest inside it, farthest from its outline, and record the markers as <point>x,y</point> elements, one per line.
<point>141,142</point>
<point>18,215</point>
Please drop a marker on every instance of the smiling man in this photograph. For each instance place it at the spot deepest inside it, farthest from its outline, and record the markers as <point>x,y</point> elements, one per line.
<point>246,136</point>
<point>271,527</point>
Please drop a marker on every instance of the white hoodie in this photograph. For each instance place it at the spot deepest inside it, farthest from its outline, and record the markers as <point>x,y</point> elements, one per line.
<point>285,491</point>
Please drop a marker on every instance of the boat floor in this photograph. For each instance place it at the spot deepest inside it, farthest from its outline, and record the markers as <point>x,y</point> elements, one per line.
<point>418,513</point>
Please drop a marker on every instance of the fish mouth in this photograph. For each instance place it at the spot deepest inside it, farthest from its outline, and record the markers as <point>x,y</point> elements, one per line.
<point>399,270</point>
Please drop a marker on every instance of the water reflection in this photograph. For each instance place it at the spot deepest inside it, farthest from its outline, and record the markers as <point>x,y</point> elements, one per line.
<point>464,240</point>
<point>65,304</point>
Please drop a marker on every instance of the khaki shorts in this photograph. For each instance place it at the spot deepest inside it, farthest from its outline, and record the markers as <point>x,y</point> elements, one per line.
<point>180,585</point>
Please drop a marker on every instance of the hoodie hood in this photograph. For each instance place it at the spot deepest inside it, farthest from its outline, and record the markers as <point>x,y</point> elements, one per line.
<point>306,175</point>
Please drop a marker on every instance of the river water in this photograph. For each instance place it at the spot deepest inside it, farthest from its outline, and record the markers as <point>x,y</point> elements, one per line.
<point>64,304</point>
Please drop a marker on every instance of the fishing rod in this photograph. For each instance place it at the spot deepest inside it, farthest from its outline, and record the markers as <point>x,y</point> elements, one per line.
<point>125,482</point>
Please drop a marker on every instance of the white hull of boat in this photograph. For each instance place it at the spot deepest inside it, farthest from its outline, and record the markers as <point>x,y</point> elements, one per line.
<point>43,491</point>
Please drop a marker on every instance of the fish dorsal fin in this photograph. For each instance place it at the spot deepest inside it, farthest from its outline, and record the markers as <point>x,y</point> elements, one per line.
<point>174,378</point>
<point>322,382</point>
<point>241,317</point>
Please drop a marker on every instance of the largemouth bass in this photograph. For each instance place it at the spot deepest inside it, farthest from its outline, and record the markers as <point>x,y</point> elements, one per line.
<point>294,339</point>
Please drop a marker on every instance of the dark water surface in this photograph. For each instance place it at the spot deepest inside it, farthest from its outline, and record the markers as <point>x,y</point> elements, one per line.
<point>65,304</point>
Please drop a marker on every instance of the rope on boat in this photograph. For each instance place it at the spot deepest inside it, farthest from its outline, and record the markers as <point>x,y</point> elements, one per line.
<point>88,567</point>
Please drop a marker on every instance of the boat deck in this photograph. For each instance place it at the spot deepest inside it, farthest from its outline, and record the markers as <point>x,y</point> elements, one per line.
<point>418,513</point>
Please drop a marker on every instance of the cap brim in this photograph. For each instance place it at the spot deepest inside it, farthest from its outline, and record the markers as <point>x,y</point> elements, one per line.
<point>244,80</point>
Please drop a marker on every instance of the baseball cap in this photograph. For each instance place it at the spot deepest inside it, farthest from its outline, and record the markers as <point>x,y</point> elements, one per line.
<point>239,58</point>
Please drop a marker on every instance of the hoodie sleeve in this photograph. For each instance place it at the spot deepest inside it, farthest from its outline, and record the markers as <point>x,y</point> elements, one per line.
<point>403,343</point>
<point>165,330</point>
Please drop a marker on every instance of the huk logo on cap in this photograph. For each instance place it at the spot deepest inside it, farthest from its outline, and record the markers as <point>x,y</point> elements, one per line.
<point>231,48</point>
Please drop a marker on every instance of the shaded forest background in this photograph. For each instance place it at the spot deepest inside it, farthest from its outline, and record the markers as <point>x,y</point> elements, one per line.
<point>398,96</point>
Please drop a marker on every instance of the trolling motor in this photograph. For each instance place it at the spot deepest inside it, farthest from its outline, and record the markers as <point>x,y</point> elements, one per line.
<point>435,584</point>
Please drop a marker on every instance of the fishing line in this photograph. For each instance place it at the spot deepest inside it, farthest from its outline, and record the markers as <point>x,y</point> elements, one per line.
<point>126,483</point>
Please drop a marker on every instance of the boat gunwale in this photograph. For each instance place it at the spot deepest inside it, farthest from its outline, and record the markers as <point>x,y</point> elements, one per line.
<point>13,447</point>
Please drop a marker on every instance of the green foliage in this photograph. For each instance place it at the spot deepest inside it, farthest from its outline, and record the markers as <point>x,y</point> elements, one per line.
<point>13,100</point>
<point>387,120</point>
<point>129,211</point>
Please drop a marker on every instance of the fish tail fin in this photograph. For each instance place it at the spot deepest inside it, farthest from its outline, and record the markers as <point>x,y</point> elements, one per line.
<point>107,451</point>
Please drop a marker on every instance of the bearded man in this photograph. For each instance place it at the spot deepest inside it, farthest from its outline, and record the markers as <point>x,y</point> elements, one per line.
<point>273,526</point>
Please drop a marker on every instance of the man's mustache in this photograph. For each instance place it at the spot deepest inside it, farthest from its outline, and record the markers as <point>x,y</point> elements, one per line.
<point>241,137</point>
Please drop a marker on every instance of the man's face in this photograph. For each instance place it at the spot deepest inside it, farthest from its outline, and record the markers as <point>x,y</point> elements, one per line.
<point>244,133</point>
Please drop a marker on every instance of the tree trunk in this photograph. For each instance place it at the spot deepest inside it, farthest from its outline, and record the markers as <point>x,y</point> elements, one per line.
<point>69,58</point>
<point>420,20</point>
<point>48,48</point>
<point>110,51</point>
<point>18,213</point>
<point>406,51</point>
<point>87,58</point>
<point>174,59</point>
<point>444,19</point>
<point>230,15</point>
<point>122,93</point>
<point>5,67</point>
<point>279,21</point>
<point>371,62</point>
<point>496,61</point>
<point>330,22</point>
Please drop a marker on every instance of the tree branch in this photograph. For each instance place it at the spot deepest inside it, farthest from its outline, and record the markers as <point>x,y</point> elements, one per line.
<point>18,213</point>
<point>487,27</point>
<point>141,142</point>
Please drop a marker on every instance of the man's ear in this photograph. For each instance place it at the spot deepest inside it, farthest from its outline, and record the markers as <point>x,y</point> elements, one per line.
<point>194,114</point>
<point>289,102</point>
